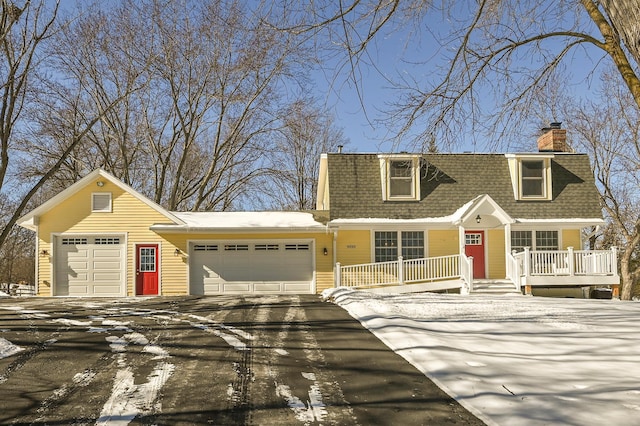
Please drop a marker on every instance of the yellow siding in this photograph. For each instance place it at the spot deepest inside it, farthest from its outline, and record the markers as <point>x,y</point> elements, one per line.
<point>353,247</point>
<point>443,243</point>
<point>496,254</point>
<point>571,238</point>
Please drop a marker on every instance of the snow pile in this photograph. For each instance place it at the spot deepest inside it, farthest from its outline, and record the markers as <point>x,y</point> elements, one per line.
<point>7,348</point>
<point>515,360</point>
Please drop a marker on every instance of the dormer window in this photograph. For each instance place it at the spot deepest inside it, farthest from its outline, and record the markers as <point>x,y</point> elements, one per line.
<point>400,177</point>
<point>531,176</point>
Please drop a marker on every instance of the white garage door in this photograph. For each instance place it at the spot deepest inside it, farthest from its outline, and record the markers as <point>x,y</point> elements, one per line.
<point>239,267</point>
<point>91,265</point>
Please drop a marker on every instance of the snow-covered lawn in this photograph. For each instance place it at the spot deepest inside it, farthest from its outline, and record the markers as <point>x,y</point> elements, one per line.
<point>515,360</point>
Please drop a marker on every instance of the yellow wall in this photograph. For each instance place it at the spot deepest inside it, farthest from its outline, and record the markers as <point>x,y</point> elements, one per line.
<point>571,238</point>
<point>443,243</point>
<point>353,247</point>
<point>496,263</point>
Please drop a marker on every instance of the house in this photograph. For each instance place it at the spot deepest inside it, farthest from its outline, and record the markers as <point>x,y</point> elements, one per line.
<point>470,221</point>
<point>385,222</point>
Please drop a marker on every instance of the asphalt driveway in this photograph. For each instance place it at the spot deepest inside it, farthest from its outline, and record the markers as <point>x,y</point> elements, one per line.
<point>281,360</point>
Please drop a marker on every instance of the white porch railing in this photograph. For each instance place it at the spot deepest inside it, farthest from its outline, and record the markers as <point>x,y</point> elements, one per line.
<point>400,272</point>
<point>568,267</point>
<point>568,262</point>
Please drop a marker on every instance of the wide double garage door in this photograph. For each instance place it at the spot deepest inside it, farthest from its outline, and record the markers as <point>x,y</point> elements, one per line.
<point>251,267</point>
<point>89,265</point>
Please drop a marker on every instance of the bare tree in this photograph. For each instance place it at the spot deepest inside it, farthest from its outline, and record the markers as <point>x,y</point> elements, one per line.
<point>307,132</point>
<point>489,52</point>
<point>211,79</point>
<point>609,130</point>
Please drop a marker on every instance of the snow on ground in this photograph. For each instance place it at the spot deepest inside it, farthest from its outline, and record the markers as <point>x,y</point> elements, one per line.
<point>7,348</point>
<point>515,360</point>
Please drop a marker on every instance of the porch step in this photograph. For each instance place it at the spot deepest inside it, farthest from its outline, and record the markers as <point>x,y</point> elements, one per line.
<point>494,287</point>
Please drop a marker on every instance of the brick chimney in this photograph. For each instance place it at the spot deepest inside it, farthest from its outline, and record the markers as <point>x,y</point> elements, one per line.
<point>553,139</point>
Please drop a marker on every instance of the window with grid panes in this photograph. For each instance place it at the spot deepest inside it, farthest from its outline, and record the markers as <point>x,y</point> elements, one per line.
<point>546,240</point>
<point>520,240</point>
<point>412,245</point>
<point>386,246</point>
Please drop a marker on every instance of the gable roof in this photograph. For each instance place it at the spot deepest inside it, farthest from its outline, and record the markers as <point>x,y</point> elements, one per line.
<point>449,181</point>
<point>28,220</point>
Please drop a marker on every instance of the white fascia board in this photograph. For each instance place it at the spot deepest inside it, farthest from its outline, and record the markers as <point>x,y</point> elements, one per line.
<point>578,222</point>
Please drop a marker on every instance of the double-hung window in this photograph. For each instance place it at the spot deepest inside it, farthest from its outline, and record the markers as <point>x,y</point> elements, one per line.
<point>389,244</point>
<point>535,240</point>
<point>533,179</point>
<point>400,177</point>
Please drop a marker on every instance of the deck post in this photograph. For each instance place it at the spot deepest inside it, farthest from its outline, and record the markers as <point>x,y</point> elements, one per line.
<point>615,291</point>
<point>527,261</point>
<point>571,262</point>
<point>338,278</point>
<point>400,271</point>
<point>614,262</point>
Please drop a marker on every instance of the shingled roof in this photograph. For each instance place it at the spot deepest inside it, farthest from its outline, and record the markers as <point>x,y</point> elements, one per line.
<point>451,180</point>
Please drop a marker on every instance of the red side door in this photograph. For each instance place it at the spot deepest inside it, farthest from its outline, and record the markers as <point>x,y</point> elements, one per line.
<point>474,247</point>
<point>147,269</point>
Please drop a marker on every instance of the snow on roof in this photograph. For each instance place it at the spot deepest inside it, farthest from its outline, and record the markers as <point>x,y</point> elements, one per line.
<point>456,216</point>
<point>235,220</point>
<point>567,220</point>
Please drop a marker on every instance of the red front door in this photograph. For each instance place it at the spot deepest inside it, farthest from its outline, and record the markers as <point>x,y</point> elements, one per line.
<point>474,247</point>
<point>147,269</point>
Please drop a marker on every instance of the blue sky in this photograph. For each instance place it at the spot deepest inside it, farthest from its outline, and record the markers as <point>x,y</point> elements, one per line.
<point>405,53</point>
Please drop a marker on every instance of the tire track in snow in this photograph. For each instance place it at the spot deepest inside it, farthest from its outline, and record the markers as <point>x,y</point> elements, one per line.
<point>128,399</point>
<point>310,407</point>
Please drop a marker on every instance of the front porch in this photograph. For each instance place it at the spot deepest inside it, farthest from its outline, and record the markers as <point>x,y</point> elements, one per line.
<point>527,269</point>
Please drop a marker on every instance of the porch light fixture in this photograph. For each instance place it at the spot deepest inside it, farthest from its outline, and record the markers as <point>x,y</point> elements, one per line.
<point>325,251</point>
<point>44,252</point>
<point>100,183</point>
<point>177,252</point>
<point>478,219</point>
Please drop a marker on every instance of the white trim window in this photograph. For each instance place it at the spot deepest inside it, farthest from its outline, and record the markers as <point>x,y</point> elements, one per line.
<point>535,179</point>
<point>400,177</point>
<point>544,240</point>
<point>387,245</point>
<point>101,202</point>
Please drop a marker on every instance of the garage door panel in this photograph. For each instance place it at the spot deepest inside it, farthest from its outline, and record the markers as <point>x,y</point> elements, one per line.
<point>295,287</point>
<point>85,267</point>
<point>236,287</point>
<point>78,290</point>
<point>251,267</point>
<point>105,290</point>
<point>268,287</point>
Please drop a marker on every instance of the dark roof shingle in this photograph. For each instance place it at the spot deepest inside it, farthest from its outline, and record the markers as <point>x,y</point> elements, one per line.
<point>451,180</point>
